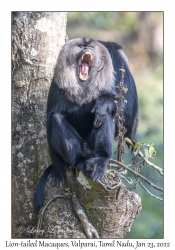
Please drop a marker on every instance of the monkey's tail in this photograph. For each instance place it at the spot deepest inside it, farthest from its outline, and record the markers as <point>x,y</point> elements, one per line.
<point>39,194</point>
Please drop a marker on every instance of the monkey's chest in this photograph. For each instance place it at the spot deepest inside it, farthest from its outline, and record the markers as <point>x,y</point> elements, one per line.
<point>81,121</point>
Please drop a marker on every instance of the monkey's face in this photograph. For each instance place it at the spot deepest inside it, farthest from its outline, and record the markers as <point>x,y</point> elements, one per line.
<point>84,69</point>
<point>86,57</point>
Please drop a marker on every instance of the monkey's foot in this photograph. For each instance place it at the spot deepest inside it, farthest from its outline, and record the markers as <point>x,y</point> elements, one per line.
<point>93,168</point>
<point>57,179</point>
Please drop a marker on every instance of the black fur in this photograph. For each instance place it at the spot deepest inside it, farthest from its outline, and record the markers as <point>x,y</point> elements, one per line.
<point>80,126</point>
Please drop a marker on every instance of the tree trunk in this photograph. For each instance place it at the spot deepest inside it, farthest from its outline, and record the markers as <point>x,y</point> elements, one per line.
<point>37,38</point>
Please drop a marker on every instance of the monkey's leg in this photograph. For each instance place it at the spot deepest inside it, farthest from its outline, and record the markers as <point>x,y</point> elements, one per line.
<point>58,172</point>
<point>100,140</point>
<point>65,147</point>
<point>64,141</point>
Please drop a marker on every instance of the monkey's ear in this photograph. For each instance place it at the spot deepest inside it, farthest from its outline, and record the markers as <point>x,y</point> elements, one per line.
<point>66,38</point>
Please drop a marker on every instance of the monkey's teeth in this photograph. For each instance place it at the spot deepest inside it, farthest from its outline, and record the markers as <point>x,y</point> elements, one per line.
<point>84,64</point>
<point>87,54</point>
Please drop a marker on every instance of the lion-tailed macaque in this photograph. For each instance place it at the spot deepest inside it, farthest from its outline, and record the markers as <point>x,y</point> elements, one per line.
<point>81,109</point>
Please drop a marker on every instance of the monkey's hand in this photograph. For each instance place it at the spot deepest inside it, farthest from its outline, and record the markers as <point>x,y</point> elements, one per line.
<point>102,107</point>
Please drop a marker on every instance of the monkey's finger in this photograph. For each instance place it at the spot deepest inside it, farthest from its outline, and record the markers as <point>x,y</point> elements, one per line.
<point>94,172</point>
<point>95,124</point>
<point>89,168</point>
<point>93,110</point>
<point>89,165</point>
<point>98,174</point>
<point>99,119</point>
<point>55,181</point>
<point>64,180</point>
<point>49,176</point>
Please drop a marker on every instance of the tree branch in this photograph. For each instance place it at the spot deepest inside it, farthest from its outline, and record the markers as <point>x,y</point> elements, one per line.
<point>148,191</point>
<point>137,174</point>
<point>87,226</point>
<point>160,170</point>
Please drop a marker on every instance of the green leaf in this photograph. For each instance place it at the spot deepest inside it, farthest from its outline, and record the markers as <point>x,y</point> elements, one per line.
<point>155,146</point>
<point>152,151</point>
<point>137,145</point>
<point>146,153</point>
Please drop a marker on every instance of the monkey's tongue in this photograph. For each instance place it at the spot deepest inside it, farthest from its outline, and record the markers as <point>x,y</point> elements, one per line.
<point>84,71</point>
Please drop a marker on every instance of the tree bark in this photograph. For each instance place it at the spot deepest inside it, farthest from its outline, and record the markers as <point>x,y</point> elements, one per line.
<point>37,38</point>
<point>110,212</point>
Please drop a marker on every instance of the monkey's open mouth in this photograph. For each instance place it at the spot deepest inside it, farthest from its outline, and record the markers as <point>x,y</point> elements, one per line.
<point>84,66</point>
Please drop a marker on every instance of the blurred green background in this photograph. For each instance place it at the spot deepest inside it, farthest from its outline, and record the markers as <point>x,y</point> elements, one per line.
<point>141,36</point>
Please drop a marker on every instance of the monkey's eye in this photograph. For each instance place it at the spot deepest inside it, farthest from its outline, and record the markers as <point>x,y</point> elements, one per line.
<point>91,47</point>
<point>83,46</point>
<point>84,66</point>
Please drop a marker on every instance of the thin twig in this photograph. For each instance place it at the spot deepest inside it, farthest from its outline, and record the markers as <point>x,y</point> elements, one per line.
<point>43,210</point>
<point>108,187</point>
<point>149,192</point>
<point>160,170</point>
<point>137,174</point>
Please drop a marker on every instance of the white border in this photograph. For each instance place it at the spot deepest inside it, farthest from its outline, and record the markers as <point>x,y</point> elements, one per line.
<point>5,96</point>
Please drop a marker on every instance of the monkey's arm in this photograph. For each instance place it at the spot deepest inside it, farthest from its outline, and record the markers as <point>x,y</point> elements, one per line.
<point>104,105</point>
<point>100,140</point>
